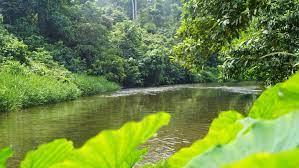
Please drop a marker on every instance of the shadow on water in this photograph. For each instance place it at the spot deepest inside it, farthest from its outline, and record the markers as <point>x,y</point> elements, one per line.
<point>192,108</point>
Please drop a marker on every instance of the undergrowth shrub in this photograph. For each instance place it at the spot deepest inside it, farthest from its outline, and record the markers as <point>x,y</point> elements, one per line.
<point>90,85</point>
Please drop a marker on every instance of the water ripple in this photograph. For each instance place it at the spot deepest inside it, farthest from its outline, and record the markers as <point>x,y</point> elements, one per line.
<point>251,89</point>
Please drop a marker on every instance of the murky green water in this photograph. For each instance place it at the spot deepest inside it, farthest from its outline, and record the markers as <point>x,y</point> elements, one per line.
<point>192,107</point>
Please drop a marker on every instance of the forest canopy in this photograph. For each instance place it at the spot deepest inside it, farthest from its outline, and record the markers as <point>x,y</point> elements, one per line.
<point>250,39</point>
<point>158,42</point>
<point>100,38</point>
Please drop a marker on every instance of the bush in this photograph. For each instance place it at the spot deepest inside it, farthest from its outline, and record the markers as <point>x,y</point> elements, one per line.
<point>10,46</point>
<point>90,85</point>
<point>133,74</point>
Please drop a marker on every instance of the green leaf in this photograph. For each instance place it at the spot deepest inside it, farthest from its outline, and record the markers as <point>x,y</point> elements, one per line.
<point>262,136</point>
<point>116,148</point>
<point>160,164</point>
<point>4,155</point>
<point>276,101</point>
<point>286,159</point>
<point>223,130</point>
<point>48,154</point>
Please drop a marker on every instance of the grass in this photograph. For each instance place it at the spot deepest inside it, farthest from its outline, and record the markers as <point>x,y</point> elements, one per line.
<point>20,91</point>
<point>90,85</point>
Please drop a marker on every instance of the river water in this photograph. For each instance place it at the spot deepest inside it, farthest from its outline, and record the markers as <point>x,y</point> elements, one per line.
<point>192,108</point>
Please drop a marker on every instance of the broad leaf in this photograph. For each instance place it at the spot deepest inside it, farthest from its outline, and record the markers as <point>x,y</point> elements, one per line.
<point>278,100</point>
<point>4,155</point>
<point>116,148</point>
<point>160,164</point>
<point>287,159</point>
<point>223,129</point>
<point>263,136</point>
<point>48,154</point>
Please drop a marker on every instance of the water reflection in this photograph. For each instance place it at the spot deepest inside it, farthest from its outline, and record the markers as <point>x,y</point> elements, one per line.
<point>192,107</point>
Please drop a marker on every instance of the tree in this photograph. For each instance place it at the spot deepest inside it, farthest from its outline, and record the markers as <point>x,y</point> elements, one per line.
<point>242,29</point>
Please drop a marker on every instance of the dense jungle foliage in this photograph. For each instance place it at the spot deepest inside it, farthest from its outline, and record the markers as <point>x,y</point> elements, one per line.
<point>249,39</point>
<point>99,38</point>
<point>234,140</point>
<point>29,78</point>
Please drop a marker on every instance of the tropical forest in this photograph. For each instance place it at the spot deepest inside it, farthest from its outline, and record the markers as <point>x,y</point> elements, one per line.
<point>149,83</point>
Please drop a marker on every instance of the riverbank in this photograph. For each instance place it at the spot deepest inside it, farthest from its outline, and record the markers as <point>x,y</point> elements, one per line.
<point>21,90</point>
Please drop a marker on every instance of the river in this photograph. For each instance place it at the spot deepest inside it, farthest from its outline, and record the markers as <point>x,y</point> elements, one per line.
<point>192,108</point>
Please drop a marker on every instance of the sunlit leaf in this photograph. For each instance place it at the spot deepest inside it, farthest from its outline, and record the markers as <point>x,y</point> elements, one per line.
<point>263,136</point>
<point>286,159</point>
<point>48,154</point>
<point>116,148</point>
<point>278,100</point>
<point>160,164</point>
<point>4,155</point>
<point>222,131</point>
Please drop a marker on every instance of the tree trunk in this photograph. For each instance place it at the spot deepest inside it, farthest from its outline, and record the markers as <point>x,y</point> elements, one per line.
<point>134,9</point>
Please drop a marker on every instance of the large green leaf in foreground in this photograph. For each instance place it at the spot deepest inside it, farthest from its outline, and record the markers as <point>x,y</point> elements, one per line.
<point>276,101</point>
<point>116,148</point>
<point>223,130</point>
<point>263,136</point>
<point>286,159</point>
<point>48,154</point>
<point>4,155</point>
